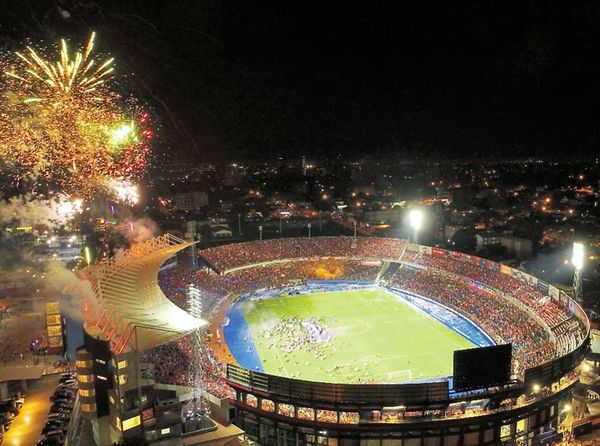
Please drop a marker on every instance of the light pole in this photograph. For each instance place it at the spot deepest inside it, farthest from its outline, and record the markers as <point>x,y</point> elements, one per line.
<point>260,232</point>
<point>309,226</point>
<point>415,218</point>
<point>577,260</point>
<point>280,226</point>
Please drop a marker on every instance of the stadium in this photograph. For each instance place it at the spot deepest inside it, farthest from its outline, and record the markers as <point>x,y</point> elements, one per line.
<point>352,338</point>
<point>341,340</point>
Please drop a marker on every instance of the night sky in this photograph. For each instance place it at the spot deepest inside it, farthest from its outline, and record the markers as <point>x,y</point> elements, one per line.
<point>259,79</point>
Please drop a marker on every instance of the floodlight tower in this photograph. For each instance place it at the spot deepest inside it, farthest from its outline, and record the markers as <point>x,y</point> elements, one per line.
<point>195,406</point>
<point>578,260</point>
<point>415,218</point>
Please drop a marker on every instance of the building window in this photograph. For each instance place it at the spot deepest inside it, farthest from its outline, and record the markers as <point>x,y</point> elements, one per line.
<point>131,423</point>
<point>87,392</point>
<point>165,431</point>
<point>123,379</point>
<point>83,364</point>
<point>118,422</point>
<point>123,364</point>
<point>112,400</point>
<point>102,378</point>
<point>85,378</point>
<point>88,407</point>
<point>100,361</point>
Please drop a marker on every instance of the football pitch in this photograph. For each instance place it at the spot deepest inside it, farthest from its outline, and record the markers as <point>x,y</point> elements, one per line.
<point>350,336</point>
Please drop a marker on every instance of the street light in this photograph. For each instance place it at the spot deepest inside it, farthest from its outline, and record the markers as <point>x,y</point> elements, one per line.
<point>577,260</point>
<point>415,218</point>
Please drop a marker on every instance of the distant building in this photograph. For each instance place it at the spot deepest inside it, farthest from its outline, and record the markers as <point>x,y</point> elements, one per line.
<point>190,201</point>
<point>521,247</point>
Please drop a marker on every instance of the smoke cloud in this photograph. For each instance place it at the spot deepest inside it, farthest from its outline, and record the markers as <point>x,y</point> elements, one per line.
<point>30,210</point>
<point>140,230</point>
<point>70,288</point>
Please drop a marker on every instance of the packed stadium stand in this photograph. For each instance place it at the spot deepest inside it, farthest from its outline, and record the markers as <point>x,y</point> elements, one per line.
<point>547,330</point>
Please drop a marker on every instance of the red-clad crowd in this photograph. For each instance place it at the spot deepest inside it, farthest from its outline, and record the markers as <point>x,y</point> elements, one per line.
<point>236,255</point>
<point>502,320</point>
<point>503,306</point>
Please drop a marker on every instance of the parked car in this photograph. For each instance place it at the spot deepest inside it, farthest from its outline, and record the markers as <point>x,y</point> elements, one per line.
<point>8,414</point>
<point>67,376</point>
<point>64,417</point>
<point>63,394</point>
<point>61,410</point>
<point>53,427</point>
<point>17,401</point>
<point>10,406</point>
<point>58,434</point>
<point>62,405</point>
<point>67,385</point>
<point>49,441</point>
<point>5,421</point>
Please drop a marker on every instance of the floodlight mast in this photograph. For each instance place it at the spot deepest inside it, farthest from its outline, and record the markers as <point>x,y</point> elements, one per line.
<point>196,405</point>
<point>578,261</point>
<point>415,218</point>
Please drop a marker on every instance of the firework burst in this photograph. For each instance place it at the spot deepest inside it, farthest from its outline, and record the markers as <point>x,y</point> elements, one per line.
<point>77,74</point>
<point>61,123</point>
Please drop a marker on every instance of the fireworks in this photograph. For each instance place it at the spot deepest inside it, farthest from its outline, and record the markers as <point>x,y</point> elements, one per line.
<point>62,125</point>
<point>69,208</point>
<point>71,74</point>
<point>124,191</point>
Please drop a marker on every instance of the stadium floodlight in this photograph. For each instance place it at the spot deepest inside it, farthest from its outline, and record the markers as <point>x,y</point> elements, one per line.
<point>194,300</point>
<point>415,218</point>
<point>578,255</point>
<point>196,402</point>
<point>578,260</point>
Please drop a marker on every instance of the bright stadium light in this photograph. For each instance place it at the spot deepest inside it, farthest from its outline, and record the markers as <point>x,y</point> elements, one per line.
<point>415,218</point>
<point>578,255</point>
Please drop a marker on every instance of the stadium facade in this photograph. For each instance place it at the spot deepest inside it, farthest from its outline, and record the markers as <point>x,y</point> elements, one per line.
<point>548,331</point>
<point>126,313</point>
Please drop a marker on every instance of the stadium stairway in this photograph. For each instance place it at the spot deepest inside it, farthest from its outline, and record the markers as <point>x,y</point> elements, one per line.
<point>388,269</point>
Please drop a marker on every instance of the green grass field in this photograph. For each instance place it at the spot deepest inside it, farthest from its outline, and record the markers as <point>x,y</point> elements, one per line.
<point>376,337</point>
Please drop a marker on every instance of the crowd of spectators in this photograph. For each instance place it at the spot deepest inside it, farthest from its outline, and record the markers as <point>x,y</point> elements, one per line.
<point>227,257</point>
<point>505,322</point>
<point>552,312</point>
<point>278,274</point>
<point>250,266</point>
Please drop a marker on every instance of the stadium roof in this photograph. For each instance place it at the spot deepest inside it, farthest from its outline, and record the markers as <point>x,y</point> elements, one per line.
<point>127,305</point>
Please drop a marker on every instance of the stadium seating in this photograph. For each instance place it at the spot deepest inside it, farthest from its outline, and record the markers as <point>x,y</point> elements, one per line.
<point>503,307</point>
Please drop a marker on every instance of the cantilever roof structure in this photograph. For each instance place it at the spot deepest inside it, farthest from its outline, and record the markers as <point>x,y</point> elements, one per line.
<point>127,305</point>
